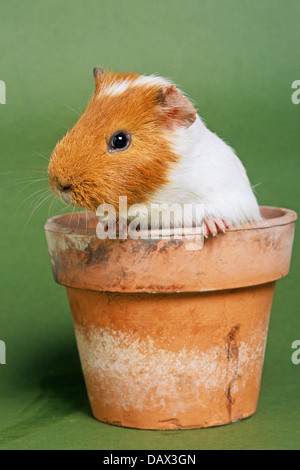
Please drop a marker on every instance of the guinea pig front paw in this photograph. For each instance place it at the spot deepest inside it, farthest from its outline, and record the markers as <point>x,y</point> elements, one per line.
<point>212,225</point>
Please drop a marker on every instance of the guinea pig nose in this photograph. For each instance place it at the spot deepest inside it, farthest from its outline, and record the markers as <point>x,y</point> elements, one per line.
<point>65,188</point>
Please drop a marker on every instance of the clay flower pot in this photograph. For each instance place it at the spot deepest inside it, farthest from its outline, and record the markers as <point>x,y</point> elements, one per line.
<point>169,337</point>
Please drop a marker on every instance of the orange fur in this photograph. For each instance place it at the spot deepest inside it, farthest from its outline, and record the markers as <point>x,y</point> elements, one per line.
<point>81,159</point>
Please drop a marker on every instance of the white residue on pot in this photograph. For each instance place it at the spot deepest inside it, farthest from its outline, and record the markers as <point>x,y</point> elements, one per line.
<point>136,374</point>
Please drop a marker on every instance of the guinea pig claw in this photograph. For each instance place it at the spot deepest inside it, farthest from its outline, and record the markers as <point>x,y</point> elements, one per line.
<point>227,224</point>
<point>209,227</point>
<point>213,225</point>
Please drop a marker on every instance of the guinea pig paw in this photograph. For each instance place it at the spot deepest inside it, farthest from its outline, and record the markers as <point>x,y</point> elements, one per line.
<point>213,224</point>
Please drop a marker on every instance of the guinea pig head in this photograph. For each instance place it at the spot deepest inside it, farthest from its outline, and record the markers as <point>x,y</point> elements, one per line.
<point>122,144</point>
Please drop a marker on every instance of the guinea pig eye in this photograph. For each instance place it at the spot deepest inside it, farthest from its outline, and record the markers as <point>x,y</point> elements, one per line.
<point>119,141</point>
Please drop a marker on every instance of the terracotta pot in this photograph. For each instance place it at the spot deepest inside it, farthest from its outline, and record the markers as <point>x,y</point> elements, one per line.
<point>170,337</point>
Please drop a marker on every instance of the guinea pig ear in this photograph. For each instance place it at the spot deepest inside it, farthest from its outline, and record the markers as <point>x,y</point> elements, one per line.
<point>98,75</point>
<point>176,108</point>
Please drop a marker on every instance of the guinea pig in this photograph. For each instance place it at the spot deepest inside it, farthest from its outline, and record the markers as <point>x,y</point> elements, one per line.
<point>142,138</point>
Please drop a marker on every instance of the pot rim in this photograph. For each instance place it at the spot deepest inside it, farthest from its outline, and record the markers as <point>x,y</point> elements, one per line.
<point>281,216</point>
<point>248,255</point>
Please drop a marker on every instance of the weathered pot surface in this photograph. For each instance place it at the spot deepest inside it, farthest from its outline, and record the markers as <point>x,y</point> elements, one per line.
<point>171,337</point>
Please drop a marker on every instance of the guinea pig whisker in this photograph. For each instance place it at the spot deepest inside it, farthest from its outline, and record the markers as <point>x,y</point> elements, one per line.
<point>26,182</point>
<point>41,155</point>
<point>38,170</point>
<point>56,122</point>
<point>56,200</point>
<point>43,191</point>
<point>37,207</point>
<point>71,214</point>
<point>86,220</point>
<point>29,184</point>
<point>33,170</point>
<point>29,181</point>
<point>255,186</point>
<point>72,109</point>
<point>78,219</point>
<point>51,205</point>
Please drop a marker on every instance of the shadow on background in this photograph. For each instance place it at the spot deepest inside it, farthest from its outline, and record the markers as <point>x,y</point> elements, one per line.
<point>61,392</point>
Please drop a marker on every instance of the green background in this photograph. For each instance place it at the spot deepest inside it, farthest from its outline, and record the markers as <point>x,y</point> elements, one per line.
<point>237,60</point>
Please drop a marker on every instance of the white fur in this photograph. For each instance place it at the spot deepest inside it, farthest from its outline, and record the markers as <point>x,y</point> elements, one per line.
<point>118,87</point>
<point>150,80</point>
<point>208,173</point>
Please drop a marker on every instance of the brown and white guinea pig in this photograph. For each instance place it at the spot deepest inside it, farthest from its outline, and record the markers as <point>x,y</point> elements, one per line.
<point>140,137</point>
